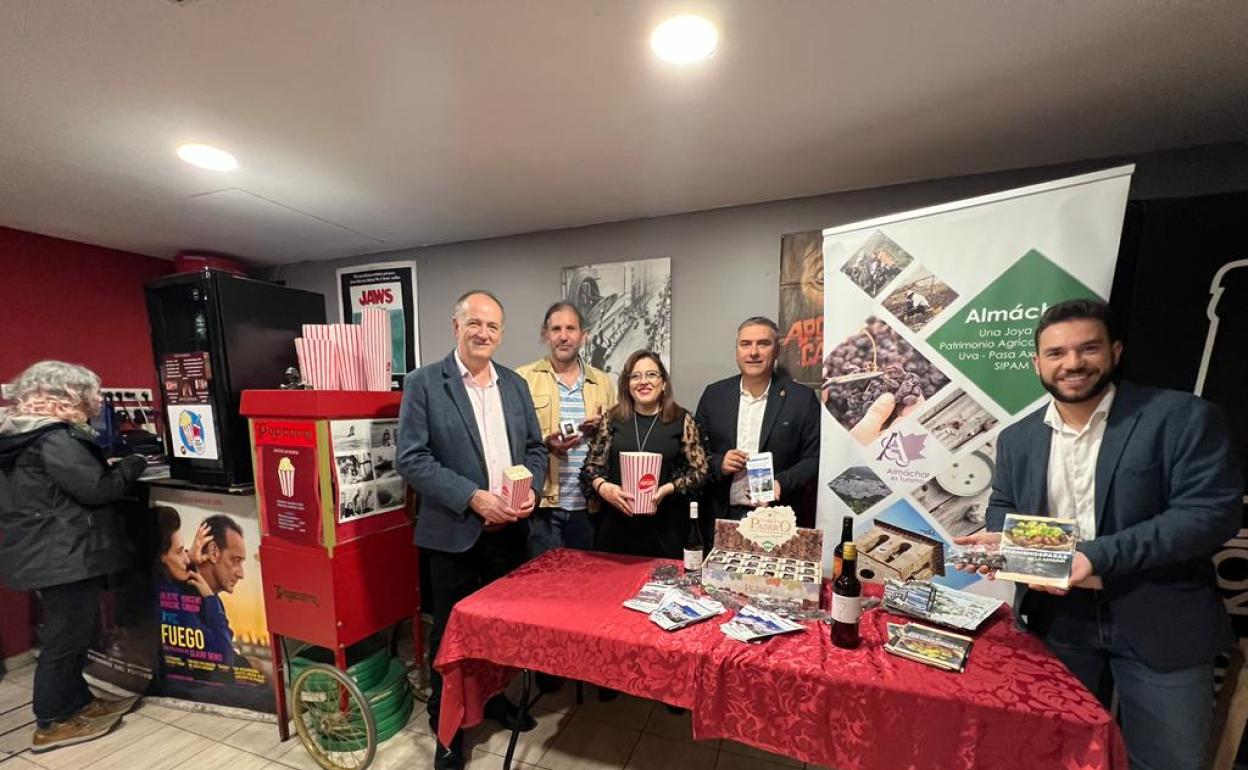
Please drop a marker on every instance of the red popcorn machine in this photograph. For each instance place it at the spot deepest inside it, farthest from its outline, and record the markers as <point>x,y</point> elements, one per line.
<point>338,562</point>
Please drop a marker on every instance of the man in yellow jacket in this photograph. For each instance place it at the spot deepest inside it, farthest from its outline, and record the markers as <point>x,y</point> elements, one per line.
<point>570,397</point>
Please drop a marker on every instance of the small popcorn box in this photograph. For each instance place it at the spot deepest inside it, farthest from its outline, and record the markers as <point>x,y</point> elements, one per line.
<point>349,345</point>
<point>640,471</point>
<point>316,362</point>
<point>517,481</point>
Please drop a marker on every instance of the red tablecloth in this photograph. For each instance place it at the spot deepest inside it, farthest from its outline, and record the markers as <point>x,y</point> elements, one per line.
<point>1014,707</point>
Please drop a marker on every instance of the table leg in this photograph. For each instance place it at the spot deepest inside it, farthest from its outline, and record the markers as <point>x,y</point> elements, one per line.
<point>279,686</point>
<point>527,678</point>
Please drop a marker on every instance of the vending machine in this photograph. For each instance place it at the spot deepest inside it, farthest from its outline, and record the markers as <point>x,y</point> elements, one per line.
<point>216,334</point>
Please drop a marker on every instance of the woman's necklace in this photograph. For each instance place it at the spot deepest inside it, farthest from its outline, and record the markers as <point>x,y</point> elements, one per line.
<point>641,442</point>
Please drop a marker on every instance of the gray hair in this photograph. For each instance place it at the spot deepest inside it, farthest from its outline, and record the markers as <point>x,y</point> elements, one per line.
<point>461,304</point>
<point>55,385</point>
<point>761,320</point>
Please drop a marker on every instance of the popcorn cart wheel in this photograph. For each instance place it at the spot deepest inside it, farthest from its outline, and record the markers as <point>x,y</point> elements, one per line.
<point>333,719</point>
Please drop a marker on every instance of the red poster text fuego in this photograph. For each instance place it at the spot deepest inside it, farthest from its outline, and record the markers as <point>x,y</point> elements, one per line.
<point>806,334</point>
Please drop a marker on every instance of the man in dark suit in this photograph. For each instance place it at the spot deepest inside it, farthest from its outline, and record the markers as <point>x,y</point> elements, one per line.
<point>1149,475</point>
<point>464,420</point>
<point>758,411</point>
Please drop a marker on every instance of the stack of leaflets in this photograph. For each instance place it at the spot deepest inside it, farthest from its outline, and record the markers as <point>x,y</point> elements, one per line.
<point>650,597</point>
<point>939,604</point>
<point>929,646</point>
<point>752,624</point>
<point>682,609</point>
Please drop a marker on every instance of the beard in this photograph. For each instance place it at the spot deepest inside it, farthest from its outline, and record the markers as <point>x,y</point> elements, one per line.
<point>1096,388</point>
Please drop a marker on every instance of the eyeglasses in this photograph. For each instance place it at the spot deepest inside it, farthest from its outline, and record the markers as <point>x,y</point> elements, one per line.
<point>647,376</point>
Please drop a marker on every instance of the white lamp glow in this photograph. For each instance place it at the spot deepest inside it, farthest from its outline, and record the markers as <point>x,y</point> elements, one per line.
<point>211,158</point>
<point>684,39</point>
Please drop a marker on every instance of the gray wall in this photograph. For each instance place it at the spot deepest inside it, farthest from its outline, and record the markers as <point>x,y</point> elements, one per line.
<point>725,263</point>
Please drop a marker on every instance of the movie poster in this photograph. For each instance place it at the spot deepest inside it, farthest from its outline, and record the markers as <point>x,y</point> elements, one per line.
<point>801,306</point>
<point>390,286</point>
<point>627,307</point>
<point>195,628</point>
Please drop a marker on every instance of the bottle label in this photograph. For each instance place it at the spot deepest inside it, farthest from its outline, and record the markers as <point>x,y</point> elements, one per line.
<point>693,559</point>
<point>846,609</point>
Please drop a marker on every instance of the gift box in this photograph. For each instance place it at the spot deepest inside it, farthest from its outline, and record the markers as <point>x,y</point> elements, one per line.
<point>767,555</point>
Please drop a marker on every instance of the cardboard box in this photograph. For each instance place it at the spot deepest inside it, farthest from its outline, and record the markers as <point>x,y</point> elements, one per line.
<point>517,481</point>
<point>767,554</point>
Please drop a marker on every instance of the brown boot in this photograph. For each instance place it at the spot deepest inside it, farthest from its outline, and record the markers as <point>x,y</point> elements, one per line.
<point>76,729</point>
<point>100,708</point>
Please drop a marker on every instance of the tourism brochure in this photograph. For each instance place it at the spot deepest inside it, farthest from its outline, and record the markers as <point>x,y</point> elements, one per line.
<point>752,624</point>
<point>1038,549</point>
<point>939,604</point>
<point>760,478</point>
<point>682,609</point>
<point>929,646</point>
<point>650,597</point>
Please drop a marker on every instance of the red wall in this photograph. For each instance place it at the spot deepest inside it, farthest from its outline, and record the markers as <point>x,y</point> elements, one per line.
<point>78,303</point>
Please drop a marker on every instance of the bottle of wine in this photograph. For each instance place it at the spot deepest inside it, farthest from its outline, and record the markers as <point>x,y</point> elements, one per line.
<point>693,545</point>
<point>847,534</point>
<point>847,600</point>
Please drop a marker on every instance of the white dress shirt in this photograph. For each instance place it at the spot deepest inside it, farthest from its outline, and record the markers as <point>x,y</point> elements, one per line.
<point>487,408</point>
<point>749,427</point>
<point>1072,465</point>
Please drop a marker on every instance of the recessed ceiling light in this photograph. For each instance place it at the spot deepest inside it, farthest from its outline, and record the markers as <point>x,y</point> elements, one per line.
<point>207,157</point>
<point>684,39</point>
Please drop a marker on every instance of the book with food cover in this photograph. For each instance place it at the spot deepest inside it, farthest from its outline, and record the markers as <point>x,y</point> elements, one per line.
<point>929,646</point>
<point>1038,549</point>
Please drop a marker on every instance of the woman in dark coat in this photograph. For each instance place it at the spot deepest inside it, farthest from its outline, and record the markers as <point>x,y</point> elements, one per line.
<point>59,537</point>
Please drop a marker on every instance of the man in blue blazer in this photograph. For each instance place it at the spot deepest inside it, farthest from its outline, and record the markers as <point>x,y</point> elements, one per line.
<point>1150,475</point>
<point>463,422</point>
<point>758,411</point>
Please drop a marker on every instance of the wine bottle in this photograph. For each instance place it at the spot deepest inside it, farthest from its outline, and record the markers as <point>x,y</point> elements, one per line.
<point>847,534</point>
<point>693,545</point>
<point>847,600</point>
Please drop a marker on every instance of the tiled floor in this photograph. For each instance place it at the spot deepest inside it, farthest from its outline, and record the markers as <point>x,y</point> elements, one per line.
<point>627,733</point>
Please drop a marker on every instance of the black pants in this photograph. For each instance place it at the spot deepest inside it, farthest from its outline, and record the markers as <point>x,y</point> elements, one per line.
<point>453,576</point>
<point>70,615</point>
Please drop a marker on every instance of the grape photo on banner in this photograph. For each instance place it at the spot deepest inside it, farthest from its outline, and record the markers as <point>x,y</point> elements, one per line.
<point>920,298</point>
<point>870,363</point>
<point>876,263</point>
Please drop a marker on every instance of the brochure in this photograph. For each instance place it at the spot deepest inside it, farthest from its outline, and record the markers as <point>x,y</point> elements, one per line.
<point>939,604</point>
<point>650,597</point>
<point>929,646</point>
<point>752,624</point>
<point>683,609</point>
<point>760,477</point>
<point>1038,549</point>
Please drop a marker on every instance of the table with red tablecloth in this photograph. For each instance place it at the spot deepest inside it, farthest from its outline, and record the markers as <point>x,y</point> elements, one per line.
<point>1015,706</point>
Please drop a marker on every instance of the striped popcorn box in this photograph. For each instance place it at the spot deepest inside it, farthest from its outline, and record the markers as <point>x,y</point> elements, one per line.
<point>517,481</point>
<point>316,363</point>
<point>375,323</point>
<point>316,331</point>
<point>349,355</point>
<point>641,479</point>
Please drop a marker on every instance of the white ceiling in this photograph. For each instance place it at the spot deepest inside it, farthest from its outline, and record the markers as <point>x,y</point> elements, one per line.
<point>364,126</point>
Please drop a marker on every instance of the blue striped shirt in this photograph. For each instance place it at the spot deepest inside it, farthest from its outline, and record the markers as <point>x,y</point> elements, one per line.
<point>572,407</point>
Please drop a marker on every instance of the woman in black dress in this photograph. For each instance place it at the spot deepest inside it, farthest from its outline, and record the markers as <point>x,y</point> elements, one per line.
<point>645,419</point>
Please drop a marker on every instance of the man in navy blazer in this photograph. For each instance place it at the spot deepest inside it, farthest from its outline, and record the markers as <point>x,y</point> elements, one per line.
<point>758,411</point>
<point>463,421</point>
<point>1150,475</point>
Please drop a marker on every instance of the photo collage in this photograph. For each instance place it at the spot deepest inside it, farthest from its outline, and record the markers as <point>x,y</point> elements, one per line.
<point>364,463</point>
<point>927,442</point>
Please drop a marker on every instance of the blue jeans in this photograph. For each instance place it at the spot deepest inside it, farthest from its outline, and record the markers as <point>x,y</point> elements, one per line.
<point>1165,715</point>
<point>551,528</point>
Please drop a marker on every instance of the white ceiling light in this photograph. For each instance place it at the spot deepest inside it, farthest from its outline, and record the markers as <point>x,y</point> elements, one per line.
<point>684,39</point>
<point>207,157</point>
